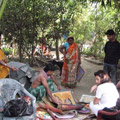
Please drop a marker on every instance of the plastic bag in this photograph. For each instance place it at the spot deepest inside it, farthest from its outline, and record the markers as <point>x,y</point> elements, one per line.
<point>17,108</point>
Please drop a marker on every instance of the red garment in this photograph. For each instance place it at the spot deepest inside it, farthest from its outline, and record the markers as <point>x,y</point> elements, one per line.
<point>70,66</point>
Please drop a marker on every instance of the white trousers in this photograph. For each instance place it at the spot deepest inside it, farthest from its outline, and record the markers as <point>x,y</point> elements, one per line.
<point>95,108</point>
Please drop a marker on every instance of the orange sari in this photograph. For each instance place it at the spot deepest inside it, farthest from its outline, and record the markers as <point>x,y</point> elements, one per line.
<point>4,71</point>
<point>70,67</point>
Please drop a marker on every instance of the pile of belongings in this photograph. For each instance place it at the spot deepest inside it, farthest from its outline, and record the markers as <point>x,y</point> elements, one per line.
<point>25,74</point>
<point>47,110</point>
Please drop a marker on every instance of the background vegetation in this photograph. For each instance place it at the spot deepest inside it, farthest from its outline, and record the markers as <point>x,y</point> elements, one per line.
<point>27,22</point>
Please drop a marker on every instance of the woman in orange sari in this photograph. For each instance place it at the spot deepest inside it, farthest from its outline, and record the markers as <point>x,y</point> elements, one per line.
<point>4,67</point>
<point>71,62</point>
<point>4,71</point>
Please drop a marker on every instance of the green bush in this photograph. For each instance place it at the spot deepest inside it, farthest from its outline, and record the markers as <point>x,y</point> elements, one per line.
<point>7,51</point>
<point>89,52</point>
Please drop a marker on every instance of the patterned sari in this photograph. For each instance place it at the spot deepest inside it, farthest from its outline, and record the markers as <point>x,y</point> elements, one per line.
<point>70,67</point>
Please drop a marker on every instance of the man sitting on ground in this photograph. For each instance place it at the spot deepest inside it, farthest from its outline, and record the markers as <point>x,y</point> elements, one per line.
<point>44,83</point>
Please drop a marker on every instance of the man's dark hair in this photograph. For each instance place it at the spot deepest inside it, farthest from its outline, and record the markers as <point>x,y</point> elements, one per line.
<point>110,32</point>
<point>70,38</point>
<point>49,67</point>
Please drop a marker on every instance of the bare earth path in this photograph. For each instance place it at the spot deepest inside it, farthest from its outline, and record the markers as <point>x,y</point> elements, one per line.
<point>88,79</point>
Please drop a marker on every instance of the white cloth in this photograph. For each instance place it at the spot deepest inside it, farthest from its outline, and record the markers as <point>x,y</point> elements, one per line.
<point>107,95</point>
<point>37,49</point>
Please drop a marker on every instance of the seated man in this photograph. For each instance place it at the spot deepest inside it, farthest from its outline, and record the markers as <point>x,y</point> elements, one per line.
<point>44,83</point>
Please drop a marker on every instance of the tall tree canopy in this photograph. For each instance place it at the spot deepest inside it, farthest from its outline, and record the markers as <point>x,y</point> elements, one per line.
<point>25,22</point>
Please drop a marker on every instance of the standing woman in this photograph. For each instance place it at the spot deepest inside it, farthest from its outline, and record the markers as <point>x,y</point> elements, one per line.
<point>71,62</point>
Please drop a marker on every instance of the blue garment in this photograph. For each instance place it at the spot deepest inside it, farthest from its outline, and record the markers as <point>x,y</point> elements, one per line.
<point>66,45</point>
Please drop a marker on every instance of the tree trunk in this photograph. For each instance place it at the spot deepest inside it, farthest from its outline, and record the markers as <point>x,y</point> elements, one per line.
<point>20,49</point>
<point>57,49</point>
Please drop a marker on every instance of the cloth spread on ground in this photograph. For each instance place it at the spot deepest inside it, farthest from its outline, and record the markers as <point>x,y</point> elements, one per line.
<point>4,71</point>
<point>40,91</point>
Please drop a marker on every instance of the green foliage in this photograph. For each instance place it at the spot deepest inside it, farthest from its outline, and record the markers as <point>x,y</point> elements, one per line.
<point>26,21</point>
<point>91,25</point>
<point>2,6</point>
<point>7,51</point>
<point>87,52</point>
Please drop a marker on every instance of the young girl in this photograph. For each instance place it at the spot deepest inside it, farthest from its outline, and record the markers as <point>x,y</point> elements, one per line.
<point>106,93</point>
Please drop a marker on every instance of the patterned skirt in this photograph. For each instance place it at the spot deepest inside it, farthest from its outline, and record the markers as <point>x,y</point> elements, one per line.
<point>69,76</point>
<point>40,91</point>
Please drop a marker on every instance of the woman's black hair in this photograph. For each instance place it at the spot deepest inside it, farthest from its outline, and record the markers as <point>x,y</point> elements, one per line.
<point>70,38</point>
<point>101,74</point>
<point>49,67</point>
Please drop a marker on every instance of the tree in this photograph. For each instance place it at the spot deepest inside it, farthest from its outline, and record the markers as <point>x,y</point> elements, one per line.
<point>26,21</point>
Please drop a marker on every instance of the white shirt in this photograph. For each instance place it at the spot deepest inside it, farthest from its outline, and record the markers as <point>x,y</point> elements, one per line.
<point>108,94</point>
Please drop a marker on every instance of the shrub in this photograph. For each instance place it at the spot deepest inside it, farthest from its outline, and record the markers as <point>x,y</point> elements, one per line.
<point>7,51</point>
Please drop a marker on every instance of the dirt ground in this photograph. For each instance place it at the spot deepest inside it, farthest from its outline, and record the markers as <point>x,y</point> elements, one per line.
<point>88,79</point>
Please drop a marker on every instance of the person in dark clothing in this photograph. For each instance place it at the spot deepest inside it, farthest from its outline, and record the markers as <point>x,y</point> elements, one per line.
<point>112,55</point>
